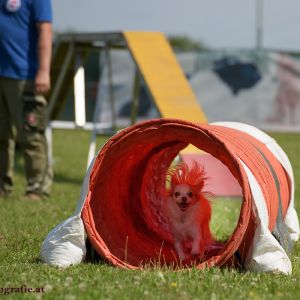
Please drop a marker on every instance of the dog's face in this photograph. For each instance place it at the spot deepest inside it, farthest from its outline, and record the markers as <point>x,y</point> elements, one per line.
<point>184,196</point>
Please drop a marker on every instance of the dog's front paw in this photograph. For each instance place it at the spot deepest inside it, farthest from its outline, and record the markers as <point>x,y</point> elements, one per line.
<point>180,251</point>
<point>182,257</point>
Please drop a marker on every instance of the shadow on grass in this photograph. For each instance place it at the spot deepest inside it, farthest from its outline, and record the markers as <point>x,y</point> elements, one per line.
<point>60,178</point>
<point>36,261</point>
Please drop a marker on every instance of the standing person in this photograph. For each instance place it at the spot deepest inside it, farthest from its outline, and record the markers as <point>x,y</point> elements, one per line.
<point>25,55</point>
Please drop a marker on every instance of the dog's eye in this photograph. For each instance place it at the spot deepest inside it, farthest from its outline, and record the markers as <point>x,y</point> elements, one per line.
<point>190,194</point>
<point>177,194</point>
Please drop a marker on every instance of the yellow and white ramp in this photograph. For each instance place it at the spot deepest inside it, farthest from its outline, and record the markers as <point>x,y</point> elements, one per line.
<point>174,98</point>
<point>163,76</point>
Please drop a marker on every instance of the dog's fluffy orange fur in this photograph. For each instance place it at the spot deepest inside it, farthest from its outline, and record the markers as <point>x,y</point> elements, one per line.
<point>188,211</point>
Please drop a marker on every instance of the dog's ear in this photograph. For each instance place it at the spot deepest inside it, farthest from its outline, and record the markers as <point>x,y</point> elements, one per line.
<point>196,176</point>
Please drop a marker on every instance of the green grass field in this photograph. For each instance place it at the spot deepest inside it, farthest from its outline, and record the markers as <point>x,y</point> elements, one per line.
<point>24,226</point>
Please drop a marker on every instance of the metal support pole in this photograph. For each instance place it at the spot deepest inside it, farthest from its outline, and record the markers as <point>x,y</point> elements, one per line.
<point>97,110</point>
<point>79,92</point>
<point>50,107</point>
<point>135,97</point>
<point>59,81</point>
<point>111,89</point>
<point>259,24</point>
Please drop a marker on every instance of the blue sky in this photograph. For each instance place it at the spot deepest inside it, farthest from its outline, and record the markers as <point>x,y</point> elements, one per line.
<point>217,23</point>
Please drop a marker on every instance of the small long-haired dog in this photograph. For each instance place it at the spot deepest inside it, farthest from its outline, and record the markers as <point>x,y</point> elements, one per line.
<point>188,211</point>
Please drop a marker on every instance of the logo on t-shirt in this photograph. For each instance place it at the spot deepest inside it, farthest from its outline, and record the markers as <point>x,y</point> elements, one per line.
<point>13,5</point>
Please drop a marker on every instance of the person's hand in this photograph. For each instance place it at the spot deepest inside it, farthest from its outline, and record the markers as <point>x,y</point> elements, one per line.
<point>42,82</point>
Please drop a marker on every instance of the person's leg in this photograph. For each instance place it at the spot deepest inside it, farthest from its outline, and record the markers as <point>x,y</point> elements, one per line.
<point>10,122</point>
<point>34,143</point>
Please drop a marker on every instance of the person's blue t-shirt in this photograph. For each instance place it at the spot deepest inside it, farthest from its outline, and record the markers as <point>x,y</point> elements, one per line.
<point>19,36</point>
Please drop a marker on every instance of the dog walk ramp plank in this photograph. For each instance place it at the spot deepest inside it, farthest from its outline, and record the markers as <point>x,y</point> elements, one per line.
<point>175,98</point>
<point>163,76</point>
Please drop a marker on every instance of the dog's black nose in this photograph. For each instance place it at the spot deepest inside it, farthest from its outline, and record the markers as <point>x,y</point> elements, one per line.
<point>184,199</point>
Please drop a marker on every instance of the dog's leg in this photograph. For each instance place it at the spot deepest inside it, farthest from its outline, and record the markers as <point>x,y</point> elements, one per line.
<point>179,250</point>
<point>196,247</point>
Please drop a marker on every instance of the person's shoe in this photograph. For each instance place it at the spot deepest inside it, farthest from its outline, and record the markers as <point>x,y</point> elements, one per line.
<point>33,197</point>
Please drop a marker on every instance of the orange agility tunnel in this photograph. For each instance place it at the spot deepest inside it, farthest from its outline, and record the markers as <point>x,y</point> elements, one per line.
<point>122,204</point>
